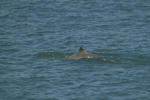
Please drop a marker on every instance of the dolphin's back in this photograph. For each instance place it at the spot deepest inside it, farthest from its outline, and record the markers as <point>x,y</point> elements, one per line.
<point>80,55</point>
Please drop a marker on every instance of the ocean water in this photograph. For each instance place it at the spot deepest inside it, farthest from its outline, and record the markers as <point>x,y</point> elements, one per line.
<point>36,36</point>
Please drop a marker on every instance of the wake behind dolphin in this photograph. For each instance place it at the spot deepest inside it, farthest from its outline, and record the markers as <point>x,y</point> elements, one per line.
<point>82,54</point>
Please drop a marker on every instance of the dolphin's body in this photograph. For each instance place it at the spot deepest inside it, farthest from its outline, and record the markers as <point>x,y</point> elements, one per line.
<point>81,54</point>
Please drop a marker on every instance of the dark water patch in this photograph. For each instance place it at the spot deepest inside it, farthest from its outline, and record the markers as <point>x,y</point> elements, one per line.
<point>50,55</point>
<point>126,58</point>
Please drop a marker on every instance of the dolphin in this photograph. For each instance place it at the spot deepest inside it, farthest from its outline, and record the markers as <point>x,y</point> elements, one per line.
<point>81,54</point>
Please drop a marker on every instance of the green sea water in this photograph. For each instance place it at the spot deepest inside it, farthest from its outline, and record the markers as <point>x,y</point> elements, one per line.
<point>36,36</point>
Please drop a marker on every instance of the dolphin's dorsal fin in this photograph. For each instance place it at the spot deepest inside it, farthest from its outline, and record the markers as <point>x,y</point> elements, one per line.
<point>80,49</point>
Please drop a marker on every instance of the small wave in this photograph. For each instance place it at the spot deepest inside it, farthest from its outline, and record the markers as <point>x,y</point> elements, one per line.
<point>135,59</point>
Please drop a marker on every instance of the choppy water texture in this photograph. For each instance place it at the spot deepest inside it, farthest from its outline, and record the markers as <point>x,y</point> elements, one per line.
<point>36,35</point>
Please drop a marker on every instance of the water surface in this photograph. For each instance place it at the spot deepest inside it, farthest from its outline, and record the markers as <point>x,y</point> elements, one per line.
<point>36,35</point>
